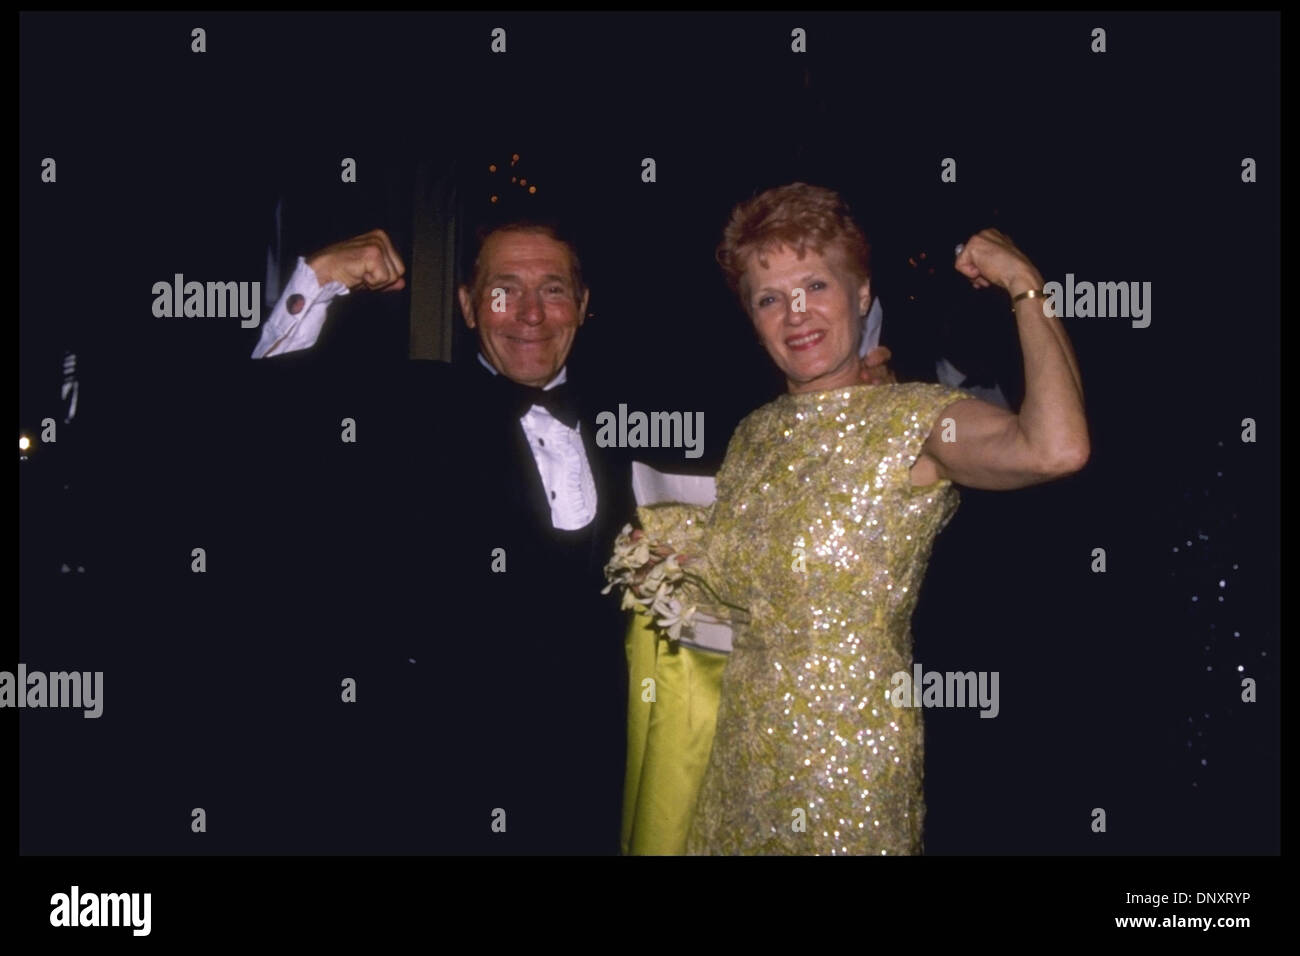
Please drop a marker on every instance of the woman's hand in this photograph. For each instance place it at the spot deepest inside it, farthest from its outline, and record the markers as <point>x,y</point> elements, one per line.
<point>658,554</point>
<point>990,258</point>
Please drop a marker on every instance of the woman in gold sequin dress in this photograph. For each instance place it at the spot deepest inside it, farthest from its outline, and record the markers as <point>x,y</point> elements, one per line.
<point>827,505</point>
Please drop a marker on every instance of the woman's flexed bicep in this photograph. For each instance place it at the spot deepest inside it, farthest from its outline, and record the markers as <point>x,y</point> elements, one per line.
<point>981,445</point>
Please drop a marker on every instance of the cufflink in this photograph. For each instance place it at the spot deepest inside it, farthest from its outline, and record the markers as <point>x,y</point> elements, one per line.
<point>295,303</point>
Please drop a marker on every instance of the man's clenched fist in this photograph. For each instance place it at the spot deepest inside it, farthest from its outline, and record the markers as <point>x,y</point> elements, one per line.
<point>368,261</point>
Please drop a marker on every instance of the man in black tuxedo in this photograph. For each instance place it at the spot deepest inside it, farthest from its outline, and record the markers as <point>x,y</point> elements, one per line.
<point>453,556</point>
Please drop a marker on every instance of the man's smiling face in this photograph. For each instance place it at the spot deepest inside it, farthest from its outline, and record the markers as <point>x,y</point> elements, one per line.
<point>530,340</point>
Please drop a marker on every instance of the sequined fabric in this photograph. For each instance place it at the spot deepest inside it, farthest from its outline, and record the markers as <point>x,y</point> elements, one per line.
<point>818,532</point>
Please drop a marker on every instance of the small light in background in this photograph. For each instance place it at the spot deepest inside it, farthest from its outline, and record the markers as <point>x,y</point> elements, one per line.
<point>24,443</point>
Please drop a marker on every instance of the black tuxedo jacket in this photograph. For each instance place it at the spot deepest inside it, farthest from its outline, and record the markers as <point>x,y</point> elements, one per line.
<point>490,704</point>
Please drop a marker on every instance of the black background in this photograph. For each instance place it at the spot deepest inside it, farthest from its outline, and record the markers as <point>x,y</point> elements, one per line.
<point>1118,689</point>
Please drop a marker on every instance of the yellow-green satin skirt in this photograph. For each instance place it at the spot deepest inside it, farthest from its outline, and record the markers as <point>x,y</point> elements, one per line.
<point>672,707</point>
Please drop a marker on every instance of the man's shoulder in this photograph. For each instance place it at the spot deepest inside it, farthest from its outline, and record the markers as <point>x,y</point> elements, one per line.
<point>433,376</point>
<point>431,371</point>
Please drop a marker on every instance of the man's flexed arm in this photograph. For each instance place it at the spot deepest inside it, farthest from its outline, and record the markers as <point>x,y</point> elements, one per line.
<point>368,261</point>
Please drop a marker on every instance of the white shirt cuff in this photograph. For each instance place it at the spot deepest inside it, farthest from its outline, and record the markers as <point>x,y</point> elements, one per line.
<point>286,332</point>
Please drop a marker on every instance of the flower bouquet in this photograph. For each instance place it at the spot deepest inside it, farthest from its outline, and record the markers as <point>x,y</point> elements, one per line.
<point>654,582</point>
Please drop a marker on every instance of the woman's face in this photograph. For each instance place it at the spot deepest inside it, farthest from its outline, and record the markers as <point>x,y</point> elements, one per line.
<point>814,337</point>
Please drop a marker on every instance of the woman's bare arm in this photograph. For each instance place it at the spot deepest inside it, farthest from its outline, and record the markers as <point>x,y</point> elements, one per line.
<point>990,447</point>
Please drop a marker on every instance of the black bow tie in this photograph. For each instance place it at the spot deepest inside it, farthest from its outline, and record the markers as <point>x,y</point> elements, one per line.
<point>558,400</point>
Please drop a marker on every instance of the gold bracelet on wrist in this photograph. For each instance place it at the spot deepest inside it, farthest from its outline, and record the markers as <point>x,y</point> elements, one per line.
<point>1027,294</point>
